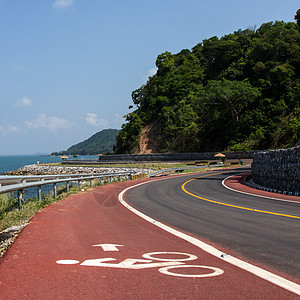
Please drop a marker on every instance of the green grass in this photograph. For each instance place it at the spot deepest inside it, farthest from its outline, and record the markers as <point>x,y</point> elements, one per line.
<point>151,165</point>
<point>10,215</point>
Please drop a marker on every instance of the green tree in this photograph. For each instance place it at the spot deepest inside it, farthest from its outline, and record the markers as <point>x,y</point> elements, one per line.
<point>297,17</point>
<point>240,89</point>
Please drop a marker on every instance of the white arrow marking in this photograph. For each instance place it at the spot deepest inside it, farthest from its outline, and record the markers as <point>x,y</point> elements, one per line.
<point>109,247</point>
<point>129,263</point>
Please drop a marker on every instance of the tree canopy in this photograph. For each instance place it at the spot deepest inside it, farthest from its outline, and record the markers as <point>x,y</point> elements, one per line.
<point>240,89</point>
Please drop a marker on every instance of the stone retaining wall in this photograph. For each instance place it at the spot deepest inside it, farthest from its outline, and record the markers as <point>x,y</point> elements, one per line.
<point>278,169</point>
<point>174,156</point>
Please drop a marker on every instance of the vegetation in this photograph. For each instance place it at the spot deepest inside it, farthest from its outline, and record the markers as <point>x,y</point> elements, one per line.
<point>101,142</point>
<point>10,215</point>
<point>240,91</point>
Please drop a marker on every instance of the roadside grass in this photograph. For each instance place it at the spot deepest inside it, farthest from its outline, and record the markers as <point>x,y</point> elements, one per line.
<point>151,165</point>
<point>10,215</point>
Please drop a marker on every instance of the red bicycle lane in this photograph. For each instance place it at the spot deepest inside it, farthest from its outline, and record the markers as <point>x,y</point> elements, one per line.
<point>237,183</point>
<point>88,246</point>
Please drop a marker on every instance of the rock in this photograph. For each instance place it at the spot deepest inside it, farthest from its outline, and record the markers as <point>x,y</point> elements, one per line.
<point>278,169</point>
<point>55,170</point>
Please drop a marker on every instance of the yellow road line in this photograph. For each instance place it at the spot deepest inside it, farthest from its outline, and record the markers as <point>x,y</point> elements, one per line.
<point>231,205</point>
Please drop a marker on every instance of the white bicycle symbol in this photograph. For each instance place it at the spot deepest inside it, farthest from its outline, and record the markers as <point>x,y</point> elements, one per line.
<point>165,265</point>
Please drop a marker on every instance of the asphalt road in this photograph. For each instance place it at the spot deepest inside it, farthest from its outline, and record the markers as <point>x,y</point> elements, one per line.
<point>265,239</point>
<point>90,246</point>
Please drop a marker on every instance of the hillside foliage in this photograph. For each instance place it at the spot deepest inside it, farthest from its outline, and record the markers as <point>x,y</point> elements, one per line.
<point>238,91</point>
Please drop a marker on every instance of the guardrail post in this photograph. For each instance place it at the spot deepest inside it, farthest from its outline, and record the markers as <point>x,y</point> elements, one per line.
<point>78,184</point>
<point>68,186</point>
<point>20,192</point>
<point>110,179</point>
<point>91,183</point>
<point>54,190</point>
<point>100,180</point>
<point>39,192</point>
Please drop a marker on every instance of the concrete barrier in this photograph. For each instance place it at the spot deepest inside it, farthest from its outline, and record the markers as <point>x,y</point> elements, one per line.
<point>174,156</point>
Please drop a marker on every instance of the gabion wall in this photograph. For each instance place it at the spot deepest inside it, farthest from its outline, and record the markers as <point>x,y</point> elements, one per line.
<point>277,169</point>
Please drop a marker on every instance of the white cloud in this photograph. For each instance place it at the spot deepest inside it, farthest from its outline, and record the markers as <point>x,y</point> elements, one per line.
<point>14,129</point>
<point>10,129</point>
<point>61,4</point>
<point>92,119</point>
<point>53,123</point>
<point>24,102</point>
<point>152,71</point>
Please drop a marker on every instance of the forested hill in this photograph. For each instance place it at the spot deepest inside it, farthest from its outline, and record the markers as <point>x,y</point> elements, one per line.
<point>101,142</point>
<point>240,91</point>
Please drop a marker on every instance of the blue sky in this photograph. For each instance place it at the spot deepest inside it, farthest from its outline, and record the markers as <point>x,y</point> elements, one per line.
<point>68,67</point>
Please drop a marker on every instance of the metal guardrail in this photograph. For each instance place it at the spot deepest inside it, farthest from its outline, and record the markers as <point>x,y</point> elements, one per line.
<point>165,172</point>
<point>19,183</point>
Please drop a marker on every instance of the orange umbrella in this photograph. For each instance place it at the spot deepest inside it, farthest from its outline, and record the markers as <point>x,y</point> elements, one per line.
<point>220,155</point>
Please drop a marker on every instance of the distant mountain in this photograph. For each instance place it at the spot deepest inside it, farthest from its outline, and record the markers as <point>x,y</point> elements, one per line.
<point>101,142</point>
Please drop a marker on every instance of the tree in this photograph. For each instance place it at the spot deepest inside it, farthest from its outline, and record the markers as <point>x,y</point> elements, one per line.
<point>240,89</point>
<point>297,17</point>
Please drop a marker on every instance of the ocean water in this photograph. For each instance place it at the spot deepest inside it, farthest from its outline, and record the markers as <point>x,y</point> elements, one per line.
<point>14,162</point>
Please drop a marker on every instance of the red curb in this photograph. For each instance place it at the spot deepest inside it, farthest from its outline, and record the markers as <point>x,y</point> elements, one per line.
<point>237,183</point>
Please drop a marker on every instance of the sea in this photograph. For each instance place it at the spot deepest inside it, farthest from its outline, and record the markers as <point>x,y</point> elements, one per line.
<point>14,162</point>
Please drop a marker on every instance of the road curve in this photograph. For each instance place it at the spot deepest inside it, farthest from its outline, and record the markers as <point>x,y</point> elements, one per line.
<point>89,246</point>
<point>265,238</point>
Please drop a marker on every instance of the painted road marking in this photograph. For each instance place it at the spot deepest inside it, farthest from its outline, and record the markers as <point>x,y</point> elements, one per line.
<point>189,256</point>
<point>216,271</point>
<point>231,205</point>
<point>128,263</point>
<point>109,247</point>
<point>266,275</point>
<point>67,262</point>
<point>164,264</point>
<point>251,194</point>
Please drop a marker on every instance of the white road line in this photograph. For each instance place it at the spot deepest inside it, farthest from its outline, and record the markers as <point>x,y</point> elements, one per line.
<point>273,278</point>
<point>108,247</point>
<point>251,194</point>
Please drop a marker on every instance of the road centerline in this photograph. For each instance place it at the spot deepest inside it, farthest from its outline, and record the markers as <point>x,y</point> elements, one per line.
<point>183,187</point>
<point>262,273</point>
